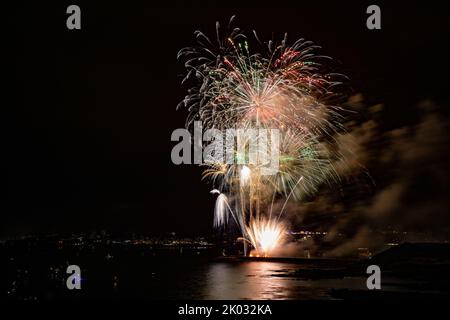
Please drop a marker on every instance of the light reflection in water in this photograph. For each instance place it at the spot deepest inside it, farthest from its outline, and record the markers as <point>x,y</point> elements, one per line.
<point>247,280</point>
<point>268,280</point>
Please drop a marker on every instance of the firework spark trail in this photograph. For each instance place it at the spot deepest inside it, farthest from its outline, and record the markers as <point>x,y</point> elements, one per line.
<point>283,87</point>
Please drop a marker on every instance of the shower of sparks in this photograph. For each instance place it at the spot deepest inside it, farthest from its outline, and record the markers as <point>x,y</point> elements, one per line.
<point>265,236</point>
<point>279,86</point>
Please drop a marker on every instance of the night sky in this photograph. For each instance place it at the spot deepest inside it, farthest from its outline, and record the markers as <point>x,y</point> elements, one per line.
<point>88,141</point>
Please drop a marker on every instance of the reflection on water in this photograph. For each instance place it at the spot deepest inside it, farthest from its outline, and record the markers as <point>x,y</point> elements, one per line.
<point>267,280</point>
<point>250,280</point>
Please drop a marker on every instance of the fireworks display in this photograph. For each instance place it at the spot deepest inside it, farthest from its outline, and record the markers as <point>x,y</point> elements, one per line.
<point>239,82</point>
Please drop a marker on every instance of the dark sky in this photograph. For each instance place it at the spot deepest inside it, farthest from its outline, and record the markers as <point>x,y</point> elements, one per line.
<point>88,142</point>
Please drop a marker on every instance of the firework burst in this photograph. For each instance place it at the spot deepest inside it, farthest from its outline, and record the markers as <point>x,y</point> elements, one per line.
<point>279,86</point>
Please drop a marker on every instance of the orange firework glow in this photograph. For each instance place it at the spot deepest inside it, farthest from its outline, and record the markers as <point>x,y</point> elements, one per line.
<point>265,236</point>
